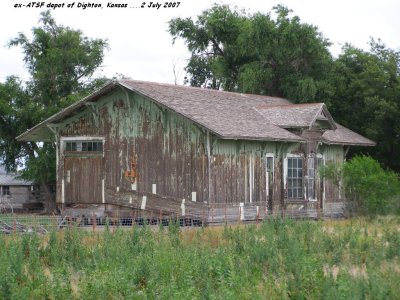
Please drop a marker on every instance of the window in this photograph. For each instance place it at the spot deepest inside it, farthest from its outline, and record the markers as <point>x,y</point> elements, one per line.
<point>5,190</point>
<point>295,177</point>
<point>84,146</point>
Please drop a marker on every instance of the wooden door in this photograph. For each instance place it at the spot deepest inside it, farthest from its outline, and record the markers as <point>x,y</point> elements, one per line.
<point>83,179</point>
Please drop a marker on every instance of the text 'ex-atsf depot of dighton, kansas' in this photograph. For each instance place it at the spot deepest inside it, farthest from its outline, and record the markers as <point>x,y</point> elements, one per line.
<point>85,5</point>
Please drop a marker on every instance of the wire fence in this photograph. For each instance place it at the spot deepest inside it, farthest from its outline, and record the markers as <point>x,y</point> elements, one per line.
<point>214,215</point>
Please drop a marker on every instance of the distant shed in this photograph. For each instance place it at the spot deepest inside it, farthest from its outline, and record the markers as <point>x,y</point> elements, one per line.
<point>14,191</point>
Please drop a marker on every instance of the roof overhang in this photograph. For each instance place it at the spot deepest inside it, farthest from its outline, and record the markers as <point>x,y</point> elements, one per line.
<point>346,137</point>
<point>42,132</point>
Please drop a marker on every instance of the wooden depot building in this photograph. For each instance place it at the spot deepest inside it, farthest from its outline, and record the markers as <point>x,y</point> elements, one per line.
<point>161,148</point>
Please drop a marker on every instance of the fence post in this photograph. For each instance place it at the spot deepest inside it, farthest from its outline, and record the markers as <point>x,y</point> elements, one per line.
<point>14,225</point>
<point>54,222</point>
<point>93,223</point>
<point>212,213</point>
<point>257,213</point>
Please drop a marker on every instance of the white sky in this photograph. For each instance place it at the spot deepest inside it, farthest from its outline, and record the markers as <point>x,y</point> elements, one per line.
<point>141,48</point>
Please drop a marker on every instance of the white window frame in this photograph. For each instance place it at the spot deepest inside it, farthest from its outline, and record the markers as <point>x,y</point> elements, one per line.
<point>64,140</point>
<point>285,173</point>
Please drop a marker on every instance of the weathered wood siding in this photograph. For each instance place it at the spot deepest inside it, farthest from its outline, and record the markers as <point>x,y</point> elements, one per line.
<point>18,196</point>
<point>168,149</point>
<point>170,155</point>
<point>239,171</point>
<point>333,154</point>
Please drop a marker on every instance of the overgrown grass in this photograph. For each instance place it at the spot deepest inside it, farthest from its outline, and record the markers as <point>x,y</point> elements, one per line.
<point>277,259</point>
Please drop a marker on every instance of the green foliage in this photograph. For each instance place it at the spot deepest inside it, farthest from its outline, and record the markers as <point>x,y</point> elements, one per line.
<point>367,97</point>
<point>43,167</point>
<point>374,189</point>
<point>278,259</point>
<point>60,61</point>
<point>255,53</point>
<point>369,188</point>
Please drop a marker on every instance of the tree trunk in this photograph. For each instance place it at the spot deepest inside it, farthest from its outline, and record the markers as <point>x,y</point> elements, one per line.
<point>48,197</point>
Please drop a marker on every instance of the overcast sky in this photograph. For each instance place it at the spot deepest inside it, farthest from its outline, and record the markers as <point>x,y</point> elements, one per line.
<point>141,48</point>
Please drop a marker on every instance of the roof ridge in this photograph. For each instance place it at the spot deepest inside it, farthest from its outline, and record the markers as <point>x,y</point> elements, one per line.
<point>201,89</point>
<point>266,106</point>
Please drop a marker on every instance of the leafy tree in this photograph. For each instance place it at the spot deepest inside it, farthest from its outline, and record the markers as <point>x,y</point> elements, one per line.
<point>367,97</point>
<point>17,113</point>
<point>212,39</point>
<point>256,53</point>
<point>61,62</point>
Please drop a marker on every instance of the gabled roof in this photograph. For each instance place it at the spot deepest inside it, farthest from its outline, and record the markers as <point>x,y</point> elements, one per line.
<point>228,115</point>
<point>296,115</point>
<point>11,179</point>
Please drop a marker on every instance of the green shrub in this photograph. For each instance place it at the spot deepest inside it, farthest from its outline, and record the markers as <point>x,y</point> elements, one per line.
<point>369,189</point>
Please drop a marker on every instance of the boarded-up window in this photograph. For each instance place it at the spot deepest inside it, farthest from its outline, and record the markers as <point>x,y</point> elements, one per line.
<point>295,177</point>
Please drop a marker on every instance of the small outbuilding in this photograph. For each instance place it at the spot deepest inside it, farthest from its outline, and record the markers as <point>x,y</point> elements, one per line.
<point>162,148</point>
<point>15,193</point>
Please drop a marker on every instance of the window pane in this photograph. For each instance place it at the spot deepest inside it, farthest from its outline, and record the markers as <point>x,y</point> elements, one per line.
<point>290,195</point>
<point>300,173</point>
<point>300,163</point>
<point>290,173</point>
<point>269,163</point>
<point>289,163</point>
<point>86,146</point>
